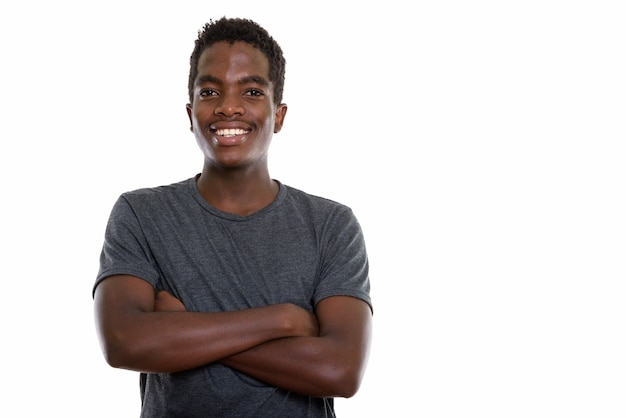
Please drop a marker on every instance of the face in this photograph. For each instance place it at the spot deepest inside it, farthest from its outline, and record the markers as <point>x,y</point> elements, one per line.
<point>233,114</point>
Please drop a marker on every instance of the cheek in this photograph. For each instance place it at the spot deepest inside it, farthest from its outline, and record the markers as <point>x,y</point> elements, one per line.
<point>201,142</point>
<point>268,130</point>
<point>263,123</point>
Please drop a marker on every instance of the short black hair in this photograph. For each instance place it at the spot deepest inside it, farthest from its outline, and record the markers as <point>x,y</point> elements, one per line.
<point>245,30</point>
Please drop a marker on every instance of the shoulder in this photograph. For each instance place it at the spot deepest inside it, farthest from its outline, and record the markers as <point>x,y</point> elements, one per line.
<point>299,197</point>
<point>162,193</point>
<point>154,202</point>
<point>147,192</point>
<point>324,212</point>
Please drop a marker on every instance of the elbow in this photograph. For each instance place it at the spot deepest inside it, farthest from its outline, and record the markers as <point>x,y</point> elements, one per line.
<point>115,357</point>
<point>343,382</point>
<point>346,373</point>
<point>116,352</point>
<point>348,387</point>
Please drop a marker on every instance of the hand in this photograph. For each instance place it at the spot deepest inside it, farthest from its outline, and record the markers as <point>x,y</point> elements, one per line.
<point>314,325</point>
<point>166,302</point>
<point>303,322</point>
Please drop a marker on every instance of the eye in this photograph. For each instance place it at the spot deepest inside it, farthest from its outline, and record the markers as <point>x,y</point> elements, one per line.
<point>207,93</point>
<point>255,92</point>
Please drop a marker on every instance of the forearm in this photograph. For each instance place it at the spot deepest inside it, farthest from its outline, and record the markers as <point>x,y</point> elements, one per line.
<point>173,341</point>
<point>308,365</point>
<point>143,333</point>
<point>331,364</point>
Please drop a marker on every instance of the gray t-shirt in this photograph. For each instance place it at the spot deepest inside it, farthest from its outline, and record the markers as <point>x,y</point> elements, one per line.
<point>299,249</point>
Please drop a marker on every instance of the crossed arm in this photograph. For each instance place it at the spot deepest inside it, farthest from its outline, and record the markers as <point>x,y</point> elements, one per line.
<point>322,354</point>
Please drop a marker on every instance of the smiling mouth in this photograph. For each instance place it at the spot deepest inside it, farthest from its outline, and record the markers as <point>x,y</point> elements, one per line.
<point>227,133</point>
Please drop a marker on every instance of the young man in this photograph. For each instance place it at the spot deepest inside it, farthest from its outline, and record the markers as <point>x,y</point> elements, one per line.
<point>235,295</point>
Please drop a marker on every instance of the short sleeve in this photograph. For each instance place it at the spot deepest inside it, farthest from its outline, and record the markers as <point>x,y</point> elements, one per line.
<point>125,249</point>
<point>344,265</point>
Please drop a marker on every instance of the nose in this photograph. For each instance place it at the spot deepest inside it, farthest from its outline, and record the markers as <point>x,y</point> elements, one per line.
<point>229,105</point>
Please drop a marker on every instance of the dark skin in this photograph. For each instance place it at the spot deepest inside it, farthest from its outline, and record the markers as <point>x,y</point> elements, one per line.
<point>322,354</point>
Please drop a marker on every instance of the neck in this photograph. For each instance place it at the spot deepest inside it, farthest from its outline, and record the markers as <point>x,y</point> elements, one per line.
<point>237,192</point>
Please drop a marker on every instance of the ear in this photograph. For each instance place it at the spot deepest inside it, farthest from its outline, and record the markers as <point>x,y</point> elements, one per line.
<point>189,113</point>
<point>281,111</point>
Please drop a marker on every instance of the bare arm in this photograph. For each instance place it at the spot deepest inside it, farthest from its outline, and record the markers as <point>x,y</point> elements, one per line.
<point>330,365</point>
<point>135,336</point>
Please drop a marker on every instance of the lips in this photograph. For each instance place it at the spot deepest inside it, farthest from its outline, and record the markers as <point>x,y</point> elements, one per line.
<point>227,133</point>
<point>230,136</point>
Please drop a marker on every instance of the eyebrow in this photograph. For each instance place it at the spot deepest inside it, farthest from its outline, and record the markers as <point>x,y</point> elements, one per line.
<point>256,79</point>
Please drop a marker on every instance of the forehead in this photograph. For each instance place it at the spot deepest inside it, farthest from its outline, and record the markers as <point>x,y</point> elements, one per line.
<point>227,58</point>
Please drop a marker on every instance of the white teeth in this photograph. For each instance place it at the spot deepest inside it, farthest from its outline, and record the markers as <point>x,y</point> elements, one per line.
<point>230,132</point>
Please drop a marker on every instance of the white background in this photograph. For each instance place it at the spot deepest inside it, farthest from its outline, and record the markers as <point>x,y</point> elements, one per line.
<point>481,145</point>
